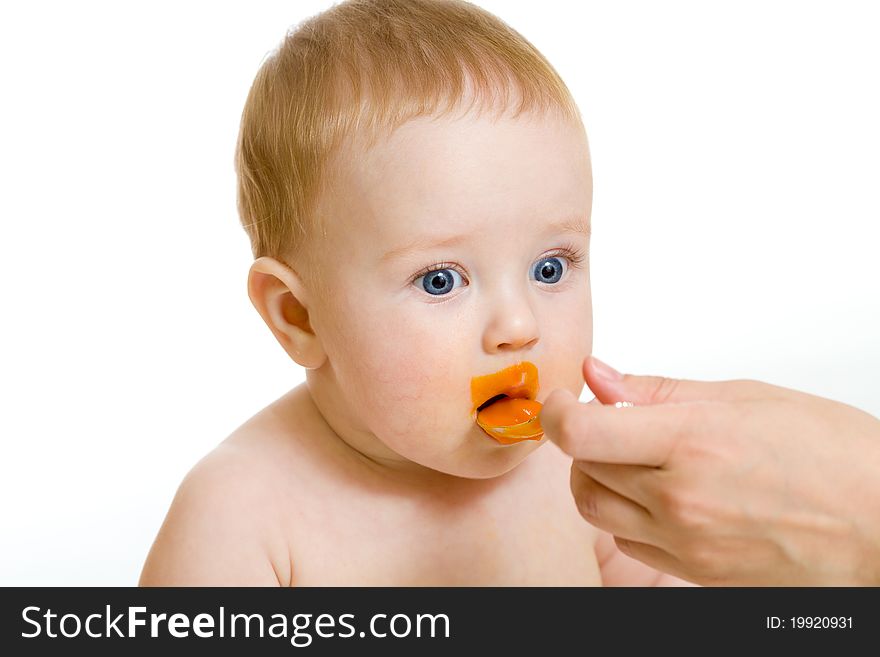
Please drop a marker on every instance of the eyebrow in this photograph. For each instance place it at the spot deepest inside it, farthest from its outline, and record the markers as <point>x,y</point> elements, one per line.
<point>577,225</point>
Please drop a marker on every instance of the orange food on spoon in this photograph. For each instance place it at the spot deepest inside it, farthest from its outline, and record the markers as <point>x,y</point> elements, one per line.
<point>505,406</point>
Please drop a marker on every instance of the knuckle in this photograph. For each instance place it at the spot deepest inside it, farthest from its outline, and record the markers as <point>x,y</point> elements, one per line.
<point>754,390</point>
<point>755,387</point>
<point>584,495</point>
<point>587,505</point>
<point>664,389</point>
<point>684,509</point>
<point>568,432</point>
<point>667,502</point>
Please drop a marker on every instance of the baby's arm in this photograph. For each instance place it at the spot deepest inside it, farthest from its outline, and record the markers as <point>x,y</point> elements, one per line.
<point>618,569</point>
<point>213,534</point>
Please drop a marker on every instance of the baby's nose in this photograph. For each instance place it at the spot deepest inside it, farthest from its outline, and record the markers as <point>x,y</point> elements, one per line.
<point>512,327</point>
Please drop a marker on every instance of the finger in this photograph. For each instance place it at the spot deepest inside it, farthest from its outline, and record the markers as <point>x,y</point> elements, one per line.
<point>611,386</point>
<point>607,510</point>
<point>635,482</point>
<point>641,435</point>
<point>651,555</point>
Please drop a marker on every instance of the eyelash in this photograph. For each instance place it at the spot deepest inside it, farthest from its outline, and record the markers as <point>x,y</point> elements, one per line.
<point>575,256</point>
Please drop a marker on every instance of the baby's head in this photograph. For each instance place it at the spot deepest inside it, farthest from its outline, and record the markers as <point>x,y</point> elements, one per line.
<point>415,180</point>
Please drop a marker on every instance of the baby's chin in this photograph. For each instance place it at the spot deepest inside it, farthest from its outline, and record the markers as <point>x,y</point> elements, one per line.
<point>488,461</point>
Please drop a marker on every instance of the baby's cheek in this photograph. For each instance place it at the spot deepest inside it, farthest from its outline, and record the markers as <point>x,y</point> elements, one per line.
<point>569,342</point>
<point>407,376</point>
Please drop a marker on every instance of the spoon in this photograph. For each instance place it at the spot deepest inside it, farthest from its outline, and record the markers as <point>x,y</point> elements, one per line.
<point>515,433</point>
<point>511,421</point>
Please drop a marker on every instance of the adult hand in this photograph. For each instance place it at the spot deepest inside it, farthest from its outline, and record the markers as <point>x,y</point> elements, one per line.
<point>725,483</point>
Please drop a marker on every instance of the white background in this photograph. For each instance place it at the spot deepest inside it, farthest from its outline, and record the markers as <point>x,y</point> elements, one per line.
<point>735,152</point>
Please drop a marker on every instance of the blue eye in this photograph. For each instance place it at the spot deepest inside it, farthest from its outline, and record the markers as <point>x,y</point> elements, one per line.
<point>439,281</point>
<point>548,270</point>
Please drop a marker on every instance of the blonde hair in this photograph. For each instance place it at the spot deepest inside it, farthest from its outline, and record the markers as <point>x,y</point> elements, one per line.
<point>356,72</point>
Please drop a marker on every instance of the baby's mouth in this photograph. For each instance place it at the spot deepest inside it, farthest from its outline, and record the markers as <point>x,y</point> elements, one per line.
<point>504,404</point>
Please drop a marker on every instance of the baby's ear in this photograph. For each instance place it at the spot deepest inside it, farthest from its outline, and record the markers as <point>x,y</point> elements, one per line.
<point>280,297</point>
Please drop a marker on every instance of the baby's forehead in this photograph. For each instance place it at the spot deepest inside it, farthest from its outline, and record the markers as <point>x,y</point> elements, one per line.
<point>459,164</point>
<point>435,178</point>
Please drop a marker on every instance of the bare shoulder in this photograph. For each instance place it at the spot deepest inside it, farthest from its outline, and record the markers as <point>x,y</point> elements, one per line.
<point>221,528</point>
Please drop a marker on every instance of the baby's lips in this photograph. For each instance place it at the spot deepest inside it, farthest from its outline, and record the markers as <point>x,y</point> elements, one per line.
<point>513,415</point>
<point>519,380</point>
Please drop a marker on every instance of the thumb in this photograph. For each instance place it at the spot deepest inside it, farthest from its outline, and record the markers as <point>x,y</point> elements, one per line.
<point>611,386</point>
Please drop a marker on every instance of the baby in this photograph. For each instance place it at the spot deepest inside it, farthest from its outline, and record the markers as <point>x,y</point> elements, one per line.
<point>415,180</point>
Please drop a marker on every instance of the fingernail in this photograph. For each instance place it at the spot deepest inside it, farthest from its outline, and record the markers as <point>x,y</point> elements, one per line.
<point>606,371</point>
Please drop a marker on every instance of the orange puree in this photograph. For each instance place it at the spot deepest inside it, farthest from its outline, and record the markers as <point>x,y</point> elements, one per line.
<point>507,412</point>
<point>513,418</point>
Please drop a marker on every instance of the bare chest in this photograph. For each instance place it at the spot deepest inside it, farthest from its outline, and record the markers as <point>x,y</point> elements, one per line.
<point>534,539</point>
